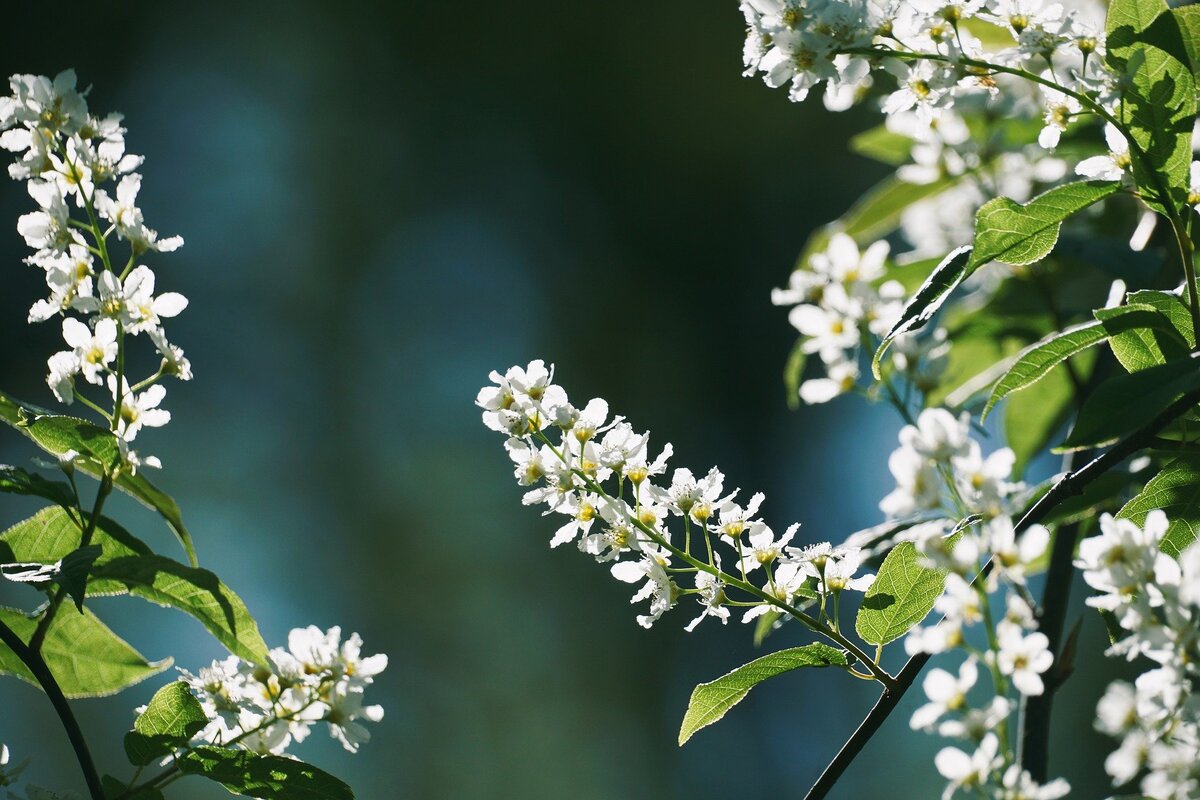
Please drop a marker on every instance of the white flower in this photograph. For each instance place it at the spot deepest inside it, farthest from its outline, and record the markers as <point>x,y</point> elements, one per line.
<point>94,350</point>
<point>711,594</point>
<point>733,519</point>
<point>61,378</point>
<point>1020,785</point>
<point>345,710</point>
<point>1110,167</point>
<point>133,303</point>
<point>1060,110</point>
<point>764,547</point>
<point>1011,556</point>
<point>983,484</point>
<point>842,377</point>
<point>42,103</point>
<point>584,508</point>
<point>138,410</point>
<point>1117,713</point>
<point>658,588</point>
<point>48,230</point>
<point>918,484</point>
<point>1023,657</point>
<point>69,277</point>
<point>839,571</point>
<point>127,217</point>
<point>938,434</point>
<point>968,770</point>
<point>946,692</point>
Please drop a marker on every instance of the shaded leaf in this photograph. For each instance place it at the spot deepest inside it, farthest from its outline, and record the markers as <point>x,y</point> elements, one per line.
<point>882,145</point>
<point>1188,19</point>
<point>1142,346</point>
<point>793,373</point>
<point>877,212</point>
<point>15,480</point>
<point>250,774</point>
<point>1127,402</point>
<point>710,701</point>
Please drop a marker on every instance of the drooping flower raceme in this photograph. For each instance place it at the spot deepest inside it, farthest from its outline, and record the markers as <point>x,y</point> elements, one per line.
<point>83,183</point>
<point>318,678</point>
<point>669,537</point>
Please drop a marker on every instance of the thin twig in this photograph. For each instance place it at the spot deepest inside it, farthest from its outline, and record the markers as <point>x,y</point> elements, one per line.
<point>1068,486</point>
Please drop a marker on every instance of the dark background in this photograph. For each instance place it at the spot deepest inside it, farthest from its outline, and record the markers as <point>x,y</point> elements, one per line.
<point>381,203</point>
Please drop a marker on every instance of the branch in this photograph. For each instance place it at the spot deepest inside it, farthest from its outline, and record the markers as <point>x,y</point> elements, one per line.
<point>37,665</point>
<point>1067,486</point>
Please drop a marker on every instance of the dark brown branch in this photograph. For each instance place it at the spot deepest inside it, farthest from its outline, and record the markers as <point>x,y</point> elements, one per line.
<point>1068,486</point>
<point>37,665</point>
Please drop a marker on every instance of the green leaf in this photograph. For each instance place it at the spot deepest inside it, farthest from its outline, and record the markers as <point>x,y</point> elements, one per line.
<point>1125,403</point>
<point>126,564</point>
<point>1146,47</point>
<point>928,299</point>
<point>710,701</point>
<point>246,773</point>
<point>901,596</point>
<point>1188,19</point>
<point>85,657</point>
<point>194,591</point>
<point>1019,234</point>
<point>1034,417</point>
<point>15,480</point>
<point>1170,305</point>
<point>170,720</point>
<point>882,145</point>
<point>764,625</point>
<point>98,449</point>
<point>877,212</point>
<point>1175,490</point>
<point>1155,341</point>
<point>793,373</point>
<point>1036,361</point>
<point>51,534</point>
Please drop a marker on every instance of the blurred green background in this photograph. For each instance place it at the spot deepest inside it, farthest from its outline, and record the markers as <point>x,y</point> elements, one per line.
<point>381,203</point>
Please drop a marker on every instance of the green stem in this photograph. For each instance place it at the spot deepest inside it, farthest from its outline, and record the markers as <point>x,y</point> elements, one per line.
<point>730,580</point>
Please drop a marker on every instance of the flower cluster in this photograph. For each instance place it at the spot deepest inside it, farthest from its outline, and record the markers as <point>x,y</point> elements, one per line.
<point>963,503</point>
<point>839,300</point>
<point>1156,602</point>
<point>940,470</point>
<point>317,678</point>
<point>925,45</point>
<point>83,181</point>
<point>599,473</point>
